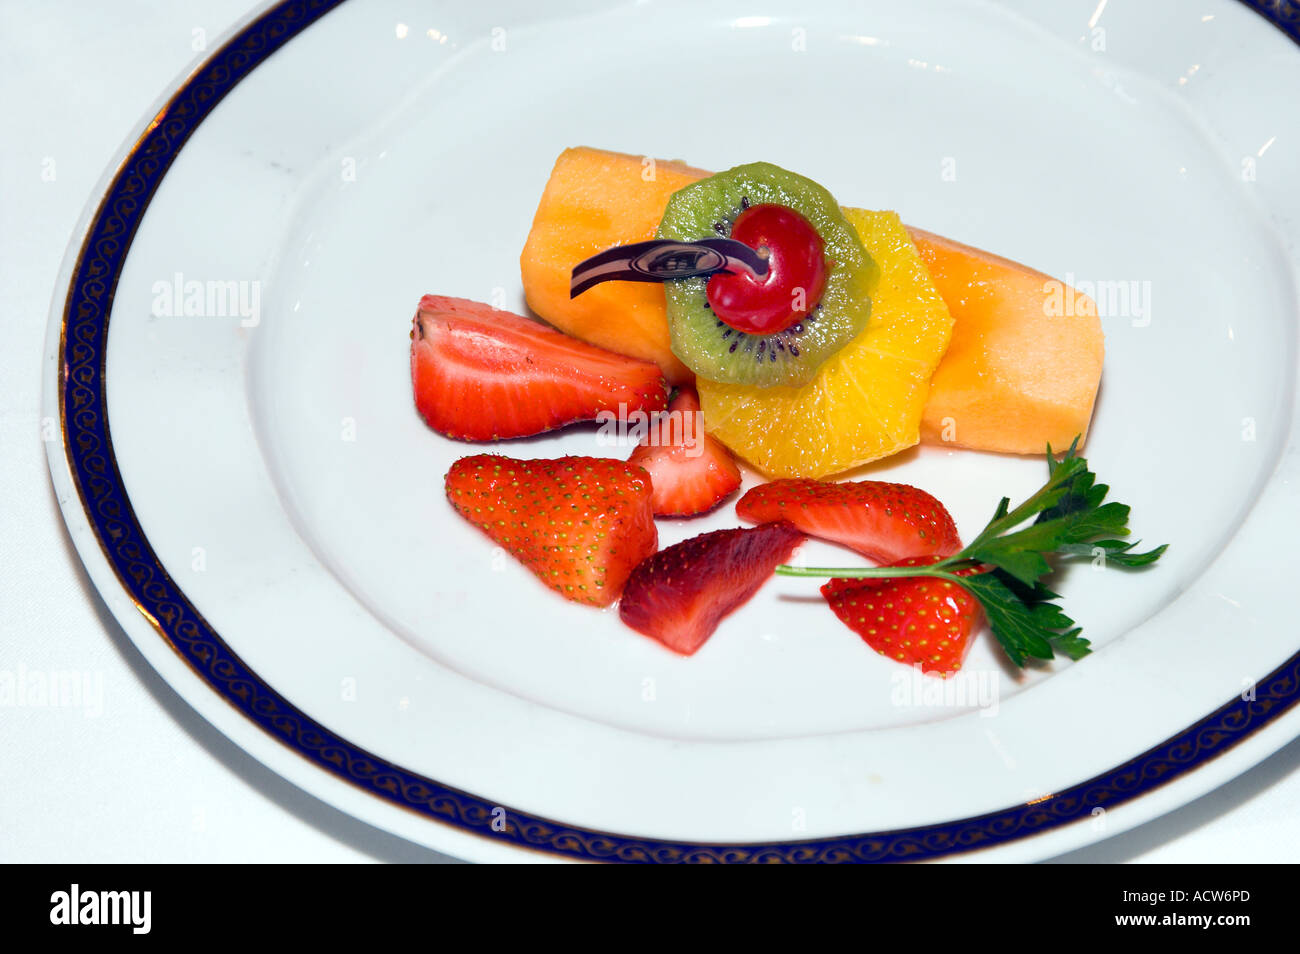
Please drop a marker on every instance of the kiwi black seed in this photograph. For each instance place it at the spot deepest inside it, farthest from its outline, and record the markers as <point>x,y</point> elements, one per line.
<point>717,352</point>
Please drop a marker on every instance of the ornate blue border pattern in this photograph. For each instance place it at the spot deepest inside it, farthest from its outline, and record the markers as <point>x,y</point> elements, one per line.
<point>90,454</point>
<point>1283,14</point>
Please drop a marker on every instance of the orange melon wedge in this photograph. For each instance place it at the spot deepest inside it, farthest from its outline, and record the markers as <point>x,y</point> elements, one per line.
<point>1024,362</point>
<point>1016,376</point>
<point>595,200</point>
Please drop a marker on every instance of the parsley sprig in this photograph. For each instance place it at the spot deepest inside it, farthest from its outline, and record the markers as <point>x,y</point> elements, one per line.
<point>1071,518</point>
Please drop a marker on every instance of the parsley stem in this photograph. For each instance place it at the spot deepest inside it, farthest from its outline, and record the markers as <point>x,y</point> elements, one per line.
<point>874,572</point>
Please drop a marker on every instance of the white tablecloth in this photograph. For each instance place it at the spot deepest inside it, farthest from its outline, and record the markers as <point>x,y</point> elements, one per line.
<point>147,779</point>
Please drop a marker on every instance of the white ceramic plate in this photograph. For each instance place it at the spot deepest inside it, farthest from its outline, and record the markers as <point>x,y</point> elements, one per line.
<point>268,520</point>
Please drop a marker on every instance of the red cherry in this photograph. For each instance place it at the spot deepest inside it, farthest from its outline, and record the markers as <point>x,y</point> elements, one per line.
<point>796,275</point>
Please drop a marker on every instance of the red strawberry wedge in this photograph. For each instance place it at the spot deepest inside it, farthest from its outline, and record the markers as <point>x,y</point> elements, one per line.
<point>886,522</point>
<point>679,595</point>
<point>916,620</point>
<point>691,472</point>
<point>580,523</point>
<point>481,374</point>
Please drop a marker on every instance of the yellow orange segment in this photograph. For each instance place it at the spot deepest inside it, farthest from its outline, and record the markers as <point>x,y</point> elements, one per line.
<point>866,400</point>
<point>1025,361</point>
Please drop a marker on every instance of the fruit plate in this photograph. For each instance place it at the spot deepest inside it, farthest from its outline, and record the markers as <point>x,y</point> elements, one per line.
<point>268,524</point>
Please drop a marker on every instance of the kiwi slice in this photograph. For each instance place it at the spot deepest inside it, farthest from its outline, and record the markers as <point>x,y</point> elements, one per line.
<point>717,352</point>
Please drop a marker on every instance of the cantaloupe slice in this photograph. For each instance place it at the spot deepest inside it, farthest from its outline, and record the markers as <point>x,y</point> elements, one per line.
<point>1015,377</point>
<point>1025,359</point>
<point>594,200</point>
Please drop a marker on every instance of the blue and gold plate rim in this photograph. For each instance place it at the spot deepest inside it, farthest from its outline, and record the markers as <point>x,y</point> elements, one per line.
<point>89,451</point>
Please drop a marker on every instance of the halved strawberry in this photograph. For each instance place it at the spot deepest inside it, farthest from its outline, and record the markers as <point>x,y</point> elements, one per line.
<point>482,374</point>
<point>580,523</point>
<point>884,521</point>
<point>916,620</point>
<point>679,595</point>
<point>691,472</point>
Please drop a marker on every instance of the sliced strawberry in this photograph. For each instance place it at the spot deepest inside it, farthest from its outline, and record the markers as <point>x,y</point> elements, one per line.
<point>916,620</point>
<point>886,522</point>
<point>691,472</point>
<point>481,374</point>
<point>580,523</point>
<point>679,595</point>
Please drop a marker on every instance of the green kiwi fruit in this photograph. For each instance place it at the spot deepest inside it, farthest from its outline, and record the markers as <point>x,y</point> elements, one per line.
<point>717,352</point>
